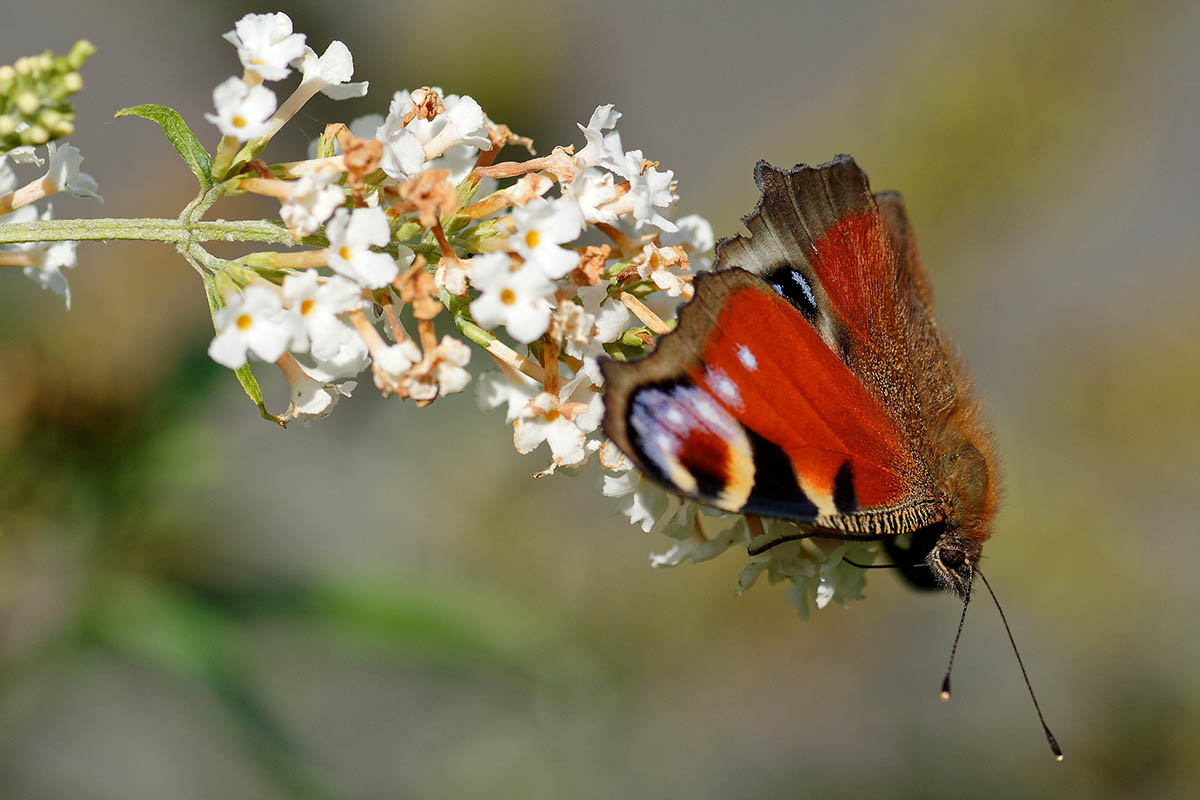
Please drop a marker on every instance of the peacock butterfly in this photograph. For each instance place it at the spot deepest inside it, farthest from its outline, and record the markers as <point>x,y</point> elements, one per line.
<point>808,381</point>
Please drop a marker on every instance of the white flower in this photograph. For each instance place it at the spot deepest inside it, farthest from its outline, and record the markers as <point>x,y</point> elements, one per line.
<point>515,299</point>
<point>314,393</point>
<point>604,320</point>
<point>332,72</point>
<point>590,190</point>
<point>351,236</point>
<point>266,44</point>
<point>315,308</point>
<point>253,320</point>
<point>508,388</point>
<point>392,363</point>
<point>695,236</point>
<point>25,153</point>
<point>542,420</point>
<point>707,536</point>
<point>64,173</point>
<point>312,200</point>
<point>563,422</point>
<point>242,111</point>
<point>542,226</point>
<point>8,178</point>
<point>648,189</point>
<point>601,147</point>
<point>646,504</point>
<point>448,141</point>
<point>48,259</point>
<point>440,372</point>
<point>610,316</point>
<point>665,267</point>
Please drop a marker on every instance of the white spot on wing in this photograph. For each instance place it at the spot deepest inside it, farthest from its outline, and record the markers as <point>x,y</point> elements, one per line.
<point>724,387</point>
<point>747,358</point>
<point>804,287</point>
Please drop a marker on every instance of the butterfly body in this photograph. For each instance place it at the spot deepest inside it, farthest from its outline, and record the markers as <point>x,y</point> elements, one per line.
<point>808,381</point>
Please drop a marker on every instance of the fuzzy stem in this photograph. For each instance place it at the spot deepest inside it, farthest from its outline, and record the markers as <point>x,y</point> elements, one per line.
<point>149,229</point>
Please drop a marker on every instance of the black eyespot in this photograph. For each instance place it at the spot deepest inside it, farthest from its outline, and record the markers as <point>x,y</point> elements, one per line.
<point>951,559</point>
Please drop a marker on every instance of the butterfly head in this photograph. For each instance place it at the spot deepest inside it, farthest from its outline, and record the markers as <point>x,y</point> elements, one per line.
<point>953,560</point>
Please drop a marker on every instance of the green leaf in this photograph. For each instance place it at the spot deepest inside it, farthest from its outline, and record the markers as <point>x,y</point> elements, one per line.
<point>244,374</point>
<point>180,135</point>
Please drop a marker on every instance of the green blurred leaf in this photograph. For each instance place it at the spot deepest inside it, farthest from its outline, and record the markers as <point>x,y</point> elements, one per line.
<point>180,135</point>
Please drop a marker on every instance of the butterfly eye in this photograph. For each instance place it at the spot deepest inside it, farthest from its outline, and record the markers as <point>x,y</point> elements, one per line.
<point>951,559</point>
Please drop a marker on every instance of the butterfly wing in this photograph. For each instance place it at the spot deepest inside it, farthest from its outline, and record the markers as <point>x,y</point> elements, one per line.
<point>787,389</point>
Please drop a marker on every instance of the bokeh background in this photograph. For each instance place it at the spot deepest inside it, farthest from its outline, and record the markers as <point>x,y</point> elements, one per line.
<point>196,604</point>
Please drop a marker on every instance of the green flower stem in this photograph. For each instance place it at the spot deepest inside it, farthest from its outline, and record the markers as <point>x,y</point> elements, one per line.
<point>152,230</point>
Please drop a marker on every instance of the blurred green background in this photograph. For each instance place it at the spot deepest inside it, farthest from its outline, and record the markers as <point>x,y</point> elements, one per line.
<point>196,604</point>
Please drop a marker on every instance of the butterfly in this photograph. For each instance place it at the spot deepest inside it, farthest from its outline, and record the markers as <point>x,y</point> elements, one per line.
<point>808,381</point>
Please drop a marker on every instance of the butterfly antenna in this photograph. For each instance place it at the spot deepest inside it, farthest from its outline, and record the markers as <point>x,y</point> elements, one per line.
<point>1058,754</point>
<point>945,693</point>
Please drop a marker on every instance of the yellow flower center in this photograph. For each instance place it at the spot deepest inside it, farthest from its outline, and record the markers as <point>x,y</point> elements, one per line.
<point>344,252</point>
<point>551,415</point>
<point>238,121</point>
<point>532,238</point>
<point>307,306</point>
<point>244,322</point>
<point>508,296</point>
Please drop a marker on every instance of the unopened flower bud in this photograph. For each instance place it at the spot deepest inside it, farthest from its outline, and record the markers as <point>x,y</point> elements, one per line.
<point>27,103</point>
<point>72,82</point>
<point>80,53</point>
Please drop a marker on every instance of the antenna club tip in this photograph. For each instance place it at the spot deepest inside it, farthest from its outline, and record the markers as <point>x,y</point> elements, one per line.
<point>1054,748</point>
<point>945,693</point>
<point>944,696</point>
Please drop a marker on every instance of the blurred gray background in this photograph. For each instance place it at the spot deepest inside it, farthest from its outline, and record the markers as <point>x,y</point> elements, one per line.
<point>196,604</point>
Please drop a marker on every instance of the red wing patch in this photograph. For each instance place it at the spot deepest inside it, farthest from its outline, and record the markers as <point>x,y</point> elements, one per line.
<point>769,368</point>
<point>745,407</point>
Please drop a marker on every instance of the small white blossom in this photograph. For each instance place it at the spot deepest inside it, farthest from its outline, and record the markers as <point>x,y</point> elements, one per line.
<point>314,393</point>
<point>590,191</point>
<point>24,154</point>
<point>646,504</point>
<point>266,44</point>
<point>509,388</point>
<point>332,72</point>
<point>8,178</point>
<point>316,308</point>
<point>351,235</point>
<point>49,258</point>
<point>440,372</point>
<point>513,298</point>
<point>252,321</point>
<point>312,200</point>
<point>64,174</point>
<point>603,142</point>
<point>448,141</point>
<point>543,420</point>
<point>695,235</point>
<point>242,111</point>
<point>392,364</point>
<point>648,189</point>
<point>542,227</point>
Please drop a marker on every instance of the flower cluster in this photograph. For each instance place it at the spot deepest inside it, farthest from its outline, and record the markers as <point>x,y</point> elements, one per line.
<point>545,263</point>
<point>43,262</point>
<point>35,97</point>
